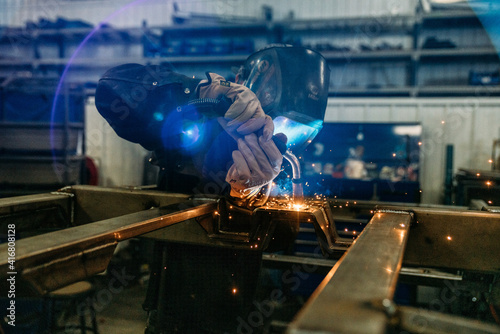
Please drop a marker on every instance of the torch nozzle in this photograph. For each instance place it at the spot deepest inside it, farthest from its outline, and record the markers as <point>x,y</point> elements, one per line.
<point>298,191</point>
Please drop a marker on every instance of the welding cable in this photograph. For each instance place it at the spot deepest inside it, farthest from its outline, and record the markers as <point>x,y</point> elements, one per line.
<point>494,301</point>
<point>494,313</point>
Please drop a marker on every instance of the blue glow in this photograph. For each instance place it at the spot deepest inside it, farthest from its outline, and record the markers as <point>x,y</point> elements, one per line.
<point>158,116</point>
<point>298,134</point>
<point>190,136</point>
<point>186,130</point>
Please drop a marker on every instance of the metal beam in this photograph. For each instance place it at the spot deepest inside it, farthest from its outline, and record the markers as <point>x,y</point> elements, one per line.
<point>454,240</point>
<point>356,295</point>
<point>429,276</point>
<point>14,205</point>
<point>414,320</point>
<point>52,260</point>
<point>93,203</point>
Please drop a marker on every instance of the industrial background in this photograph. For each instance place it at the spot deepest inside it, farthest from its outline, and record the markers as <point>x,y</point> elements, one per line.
<point>382,71</point>
<point>414,83</point>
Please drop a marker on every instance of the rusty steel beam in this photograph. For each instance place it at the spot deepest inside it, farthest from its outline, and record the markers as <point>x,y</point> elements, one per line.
<point>356,295</point>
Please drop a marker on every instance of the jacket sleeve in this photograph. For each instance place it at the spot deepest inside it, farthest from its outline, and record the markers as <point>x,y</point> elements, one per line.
<point>135,99</point>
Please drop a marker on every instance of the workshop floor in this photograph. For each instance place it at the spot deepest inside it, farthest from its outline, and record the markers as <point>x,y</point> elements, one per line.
<point>123,314</point>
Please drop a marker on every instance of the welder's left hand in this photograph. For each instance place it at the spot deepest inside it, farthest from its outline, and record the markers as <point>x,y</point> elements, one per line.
<point>256,163</point>
<point>245,115</point>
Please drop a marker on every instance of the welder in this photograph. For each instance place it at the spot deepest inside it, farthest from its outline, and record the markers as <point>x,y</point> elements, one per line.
<point>214,136</point>
<point>178,119</point>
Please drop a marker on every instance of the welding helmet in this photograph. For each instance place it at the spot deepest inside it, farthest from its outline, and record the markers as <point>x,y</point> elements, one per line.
<point>291,84</point>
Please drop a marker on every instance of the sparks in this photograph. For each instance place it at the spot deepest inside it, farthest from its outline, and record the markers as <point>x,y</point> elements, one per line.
<point>297,206</point>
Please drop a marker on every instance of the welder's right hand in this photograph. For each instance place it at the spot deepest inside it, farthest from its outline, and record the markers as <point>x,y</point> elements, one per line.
<point>256,163</point>
<point>245,115</point>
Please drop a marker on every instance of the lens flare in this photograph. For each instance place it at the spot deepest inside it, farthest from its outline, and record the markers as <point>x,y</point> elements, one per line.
<point>60,86</point>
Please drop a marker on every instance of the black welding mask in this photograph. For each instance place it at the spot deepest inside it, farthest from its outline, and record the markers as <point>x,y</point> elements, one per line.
<point>291,84</point>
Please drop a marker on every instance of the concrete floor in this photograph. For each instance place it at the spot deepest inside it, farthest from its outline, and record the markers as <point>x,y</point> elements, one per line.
<point>118,310</point>
<point>124,313</point>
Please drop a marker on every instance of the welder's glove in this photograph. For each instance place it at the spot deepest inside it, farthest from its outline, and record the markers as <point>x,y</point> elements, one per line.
<point>255,164</point>
<point>245,115</point>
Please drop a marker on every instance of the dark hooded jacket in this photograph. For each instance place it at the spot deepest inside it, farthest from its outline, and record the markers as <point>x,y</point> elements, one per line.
<point>148,105</point>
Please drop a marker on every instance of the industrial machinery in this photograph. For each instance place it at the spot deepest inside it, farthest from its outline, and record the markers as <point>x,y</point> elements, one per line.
<point>455,248</point>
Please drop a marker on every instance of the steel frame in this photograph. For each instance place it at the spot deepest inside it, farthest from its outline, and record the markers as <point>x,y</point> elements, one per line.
<point>451,239</point>
<point>374,263</point>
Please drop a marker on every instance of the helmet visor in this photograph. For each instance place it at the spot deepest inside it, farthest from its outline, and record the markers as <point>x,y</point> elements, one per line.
<point>298,134</point>
<point>265,80</point>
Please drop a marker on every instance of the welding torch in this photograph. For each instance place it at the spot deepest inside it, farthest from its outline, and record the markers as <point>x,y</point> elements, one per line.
<point>219,106</point>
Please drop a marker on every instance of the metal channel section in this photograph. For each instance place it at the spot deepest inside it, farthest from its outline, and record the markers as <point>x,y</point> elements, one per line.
<point>91,203</point>
<point>357,294</point>
<point>417,320</point>
<point>14,205</point>
<point>49,261</point>
<point>454,240</point>
<point>36,212</point>
<point>323,266</point>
